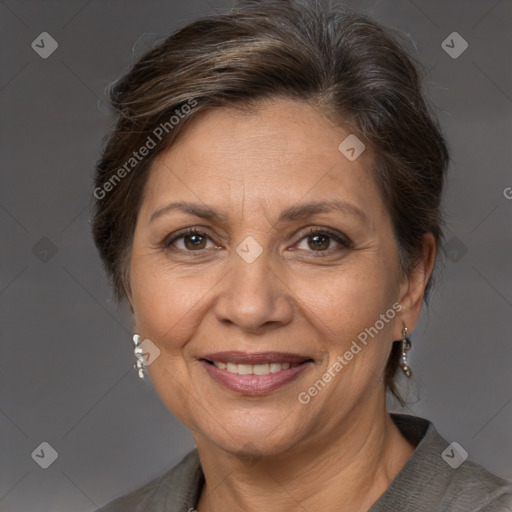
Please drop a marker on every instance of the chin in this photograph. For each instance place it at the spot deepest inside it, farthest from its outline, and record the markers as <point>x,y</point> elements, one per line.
<point>266,434</point>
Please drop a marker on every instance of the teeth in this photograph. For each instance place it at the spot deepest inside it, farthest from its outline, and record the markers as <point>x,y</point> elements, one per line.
<point>275,367</point>
<point>261,369</point>
<point>244,369</point>
<point>253,369</point>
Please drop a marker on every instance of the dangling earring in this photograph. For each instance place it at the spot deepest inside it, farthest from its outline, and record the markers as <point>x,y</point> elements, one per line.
<point>406,345</point>
<point>137,352</point>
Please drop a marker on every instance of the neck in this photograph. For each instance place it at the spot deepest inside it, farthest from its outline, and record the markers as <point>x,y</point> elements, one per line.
<point>354,466</point>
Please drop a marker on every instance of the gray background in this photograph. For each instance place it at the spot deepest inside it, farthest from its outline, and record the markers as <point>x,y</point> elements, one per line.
<point>66,372</point>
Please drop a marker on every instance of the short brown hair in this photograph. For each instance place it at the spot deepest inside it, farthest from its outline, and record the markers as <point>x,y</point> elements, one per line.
<point>357,71</point>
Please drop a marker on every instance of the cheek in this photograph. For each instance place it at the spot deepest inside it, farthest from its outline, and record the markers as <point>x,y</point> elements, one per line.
<point>168,307</point>
<point>345,306</point>
<point>168,303</point>
<point>352,295</point>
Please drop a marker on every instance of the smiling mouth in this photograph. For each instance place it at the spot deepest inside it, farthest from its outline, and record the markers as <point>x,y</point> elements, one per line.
<point>253,374</point>
<point>254,369</point>
<point>255,364</point>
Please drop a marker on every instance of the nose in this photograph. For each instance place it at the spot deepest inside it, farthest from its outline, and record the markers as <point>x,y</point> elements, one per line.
<point>254,298</point>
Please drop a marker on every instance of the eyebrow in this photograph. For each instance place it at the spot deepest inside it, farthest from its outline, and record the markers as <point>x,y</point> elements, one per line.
<point>297,212</point>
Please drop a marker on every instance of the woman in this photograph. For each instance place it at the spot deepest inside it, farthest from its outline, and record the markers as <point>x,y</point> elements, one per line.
<point>269,204</point>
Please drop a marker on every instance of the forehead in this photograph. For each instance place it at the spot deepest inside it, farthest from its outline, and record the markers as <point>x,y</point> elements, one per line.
<point>280,153</point>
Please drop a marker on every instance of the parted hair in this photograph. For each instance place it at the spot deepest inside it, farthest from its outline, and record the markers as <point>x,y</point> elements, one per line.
<point>356,71</point>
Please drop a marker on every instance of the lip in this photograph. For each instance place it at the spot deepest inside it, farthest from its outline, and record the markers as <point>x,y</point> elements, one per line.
<point>255,384</point>
<point>256,358</point>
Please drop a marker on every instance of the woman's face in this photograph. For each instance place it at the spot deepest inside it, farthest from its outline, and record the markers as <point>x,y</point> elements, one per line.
<point>269,279</point>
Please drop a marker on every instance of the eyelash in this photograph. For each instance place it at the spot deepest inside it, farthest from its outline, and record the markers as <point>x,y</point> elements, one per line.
<point>342,240</point>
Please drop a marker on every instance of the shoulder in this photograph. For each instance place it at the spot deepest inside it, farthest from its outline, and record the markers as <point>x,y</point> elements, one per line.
<point>440,476</point>
<point>174,490</point>
<point>471,487</point>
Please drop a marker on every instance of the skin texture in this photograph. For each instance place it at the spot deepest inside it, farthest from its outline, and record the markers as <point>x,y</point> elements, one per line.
<point>271,452</point>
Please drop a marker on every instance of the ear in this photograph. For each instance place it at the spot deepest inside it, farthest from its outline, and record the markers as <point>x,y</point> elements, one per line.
<point>412,288</point>
<point>127,289</point>
<point>128,298</point>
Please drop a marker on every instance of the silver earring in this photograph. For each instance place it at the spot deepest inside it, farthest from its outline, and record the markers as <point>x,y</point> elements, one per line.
<point>137,352</point>
<point>406,346</point>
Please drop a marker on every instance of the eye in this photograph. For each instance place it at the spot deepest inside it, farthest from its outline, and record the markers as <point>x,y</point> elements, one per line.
<point>316,240</point>
<point>321,240</point>
<point>192,240</point>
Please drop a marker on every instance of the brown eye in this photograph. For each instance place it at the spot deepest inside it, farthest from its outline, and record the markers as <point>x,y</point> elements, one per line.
<point>191,241</point>
<point>319,242</point>
<point>195,241</point>
<point>322,241</point>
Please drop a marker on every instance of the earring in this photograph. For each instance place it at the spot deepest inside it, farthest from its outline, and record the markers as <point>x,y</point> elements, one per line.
<point>406,345</point>
<point>137,352</point>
